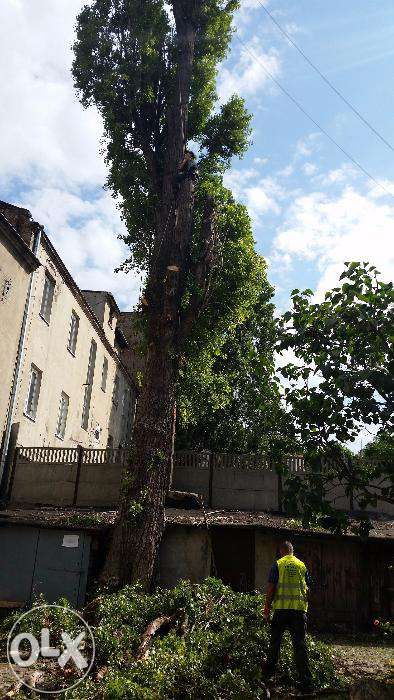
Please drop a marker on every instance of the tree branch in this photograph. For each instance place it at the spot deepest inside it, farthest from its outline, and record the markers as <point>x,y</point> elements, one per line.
<point>203,270</point>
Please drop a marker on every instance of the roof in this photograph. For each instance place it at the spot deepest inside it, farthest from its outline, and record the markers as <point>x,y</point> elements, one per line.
<point>18,244</point>
<point>64,518</point>
<point>383,528</point>
<point>96,520</point>
<point>108,295</point>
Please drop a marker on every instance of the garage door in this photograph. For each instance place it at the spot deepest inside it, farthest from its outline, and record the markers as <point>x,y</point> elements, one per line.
<point>42,561</point>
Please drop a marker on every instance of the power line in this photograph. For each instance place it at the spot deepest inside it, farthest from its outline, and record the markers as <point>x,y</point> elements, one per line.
<point>324,77</point>
<point>316,124</point>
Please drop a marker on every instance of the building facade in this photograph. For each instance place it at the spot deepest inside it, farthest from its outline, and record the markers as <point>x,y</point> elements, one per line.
<point>17,263</point>
<point>73,387</point>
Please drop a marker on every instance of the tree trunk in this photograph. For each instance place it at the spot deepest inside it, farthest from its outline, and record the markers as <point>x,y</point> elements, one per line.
<point>137,534</point>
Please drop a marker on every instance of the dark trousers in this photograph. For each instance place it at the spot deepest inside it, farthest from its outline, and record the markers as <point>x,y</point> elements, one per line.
<point>295,622</point>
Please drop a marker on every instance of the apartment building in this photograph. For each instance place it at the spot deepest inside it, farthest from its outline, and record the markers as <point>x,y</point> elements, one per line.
<point>73,387</point>
<point>17,263</point>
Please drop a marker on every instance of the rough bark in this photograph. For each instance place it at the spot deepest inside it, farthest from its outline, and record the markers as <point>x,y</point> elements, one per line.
<point>159,626</point>
<point>137,534</point>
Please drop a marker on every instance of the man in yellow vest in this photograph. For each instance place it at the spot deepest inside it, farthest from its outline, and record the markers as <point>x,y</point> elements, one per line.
<point>287,592</point>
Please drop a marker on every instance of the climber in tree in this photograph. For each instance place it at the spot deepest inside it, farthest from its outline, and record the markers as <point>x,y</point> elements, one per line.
<point>187,169</point>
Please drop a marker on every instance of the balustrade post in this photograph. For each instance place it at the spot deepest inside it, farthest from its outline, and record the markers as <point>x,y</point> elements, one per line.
<point>78,473</point>
<point>210,483</point>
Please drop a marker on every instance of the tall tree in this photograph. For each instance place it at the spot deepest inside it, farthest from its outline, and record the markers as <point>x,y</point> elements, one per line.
<point>150,69</point>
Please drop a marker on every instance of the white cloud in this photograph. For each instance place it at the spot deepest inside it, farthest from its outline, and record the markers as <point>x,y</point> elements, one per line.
<point>50,146</point>
<point>84,233</point>
<point>330,229</point>
<point>309,169</point>
<point>246,14</point>
<point>287,171</point>
<point>260,195</point>
<point>248,76</point>
<point>44,132</point>
<point>260,161</point>
<point>377,191</point>
<point>260,202</point>
<point>345,173</point>
<point>306,146</point>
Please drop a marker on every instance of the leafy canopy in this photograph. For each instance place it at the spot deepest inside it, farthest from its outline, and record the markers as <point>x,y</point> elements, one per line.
<point>126,60</point>
<point>343,377</point>
<point>341,382</point>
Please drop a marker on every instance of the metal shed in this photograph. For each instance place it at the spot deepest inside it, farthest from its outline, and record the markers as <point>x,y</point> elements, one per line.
<point>41,560</point>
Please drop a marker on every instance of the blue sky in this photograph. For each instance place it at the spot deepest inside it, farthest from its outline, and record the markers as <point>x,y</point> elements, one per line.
<point>311,208</point>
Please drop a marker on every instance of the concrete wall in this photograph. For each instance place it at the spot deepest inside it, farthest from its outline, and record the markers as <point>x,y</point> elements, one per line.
<point>231,488</point>
<point>341,500</point>
<point>54,484</point>
<point>264,553</point>
<point>185,554</point>
<point>62,371</point>
<point>14,282</point>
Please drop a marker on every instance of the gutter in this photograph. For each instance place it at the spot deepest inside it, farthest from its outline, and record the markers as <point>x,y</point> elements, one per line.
<point>17,372</point>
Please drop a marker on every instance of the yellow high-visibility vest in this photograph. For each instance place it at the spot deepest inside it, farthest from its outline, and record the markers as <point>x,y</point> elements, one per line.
<point>291,591</point>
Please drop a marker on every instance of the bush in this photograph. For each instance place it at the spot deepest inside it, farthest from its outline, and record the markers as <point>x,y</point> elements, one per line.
<point>219,657</point>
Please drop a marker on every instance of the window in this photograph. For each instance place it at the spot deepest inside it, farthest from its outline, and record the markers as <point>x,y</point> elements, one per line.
<point>47,298</point>
<point>115,395</point>
<point>104,375</point>
<point>62,418</point>
<point>73,336</point>
<point>89,385</point>
<point>34,392</point>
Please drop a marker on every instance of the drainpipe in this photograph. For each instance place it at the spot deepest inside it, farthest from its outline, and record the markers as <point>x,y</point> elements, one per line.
<point>18,369</point>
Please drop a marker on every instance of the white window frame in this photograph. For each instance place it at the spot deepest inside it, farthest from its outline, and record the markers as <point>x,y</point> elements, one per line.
<point>104,375</point>
<point>33,393</point>
<point>73,334</point>
<point>62,415</point>
<point>47,298</point>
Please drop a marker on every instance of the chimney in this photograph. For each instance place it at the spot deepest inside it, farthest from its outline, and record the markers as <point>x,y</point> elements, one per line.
<point>20,219</point>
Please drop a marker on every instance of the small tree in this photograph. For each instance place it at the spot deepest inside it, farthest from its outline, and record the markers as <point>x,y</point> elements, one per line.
<point>341,382</point>
<point>150,69</point>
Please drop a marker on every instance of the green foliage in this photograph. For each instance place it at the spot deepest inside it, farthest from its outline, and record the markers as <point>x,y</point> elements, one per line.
<point>228,399</point>
<point>341,381</point>
<point>380,452</point>
<point>58,619</point>
<point>226,133</point>
<point>344,348</point>
<point>232,403</point>
<point>126,62</point>
<point>385,630</point>
<point>219,657</point>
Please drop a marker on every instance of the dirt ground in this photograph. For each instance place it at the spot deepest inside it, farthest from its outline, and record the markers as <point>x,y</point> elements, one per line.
<point>357,656</point>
